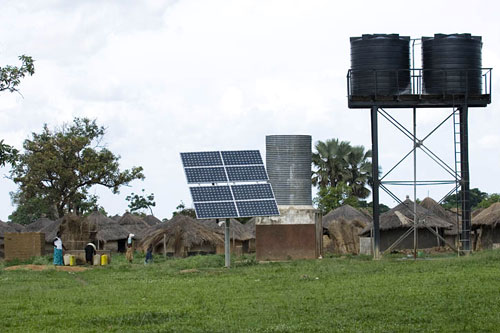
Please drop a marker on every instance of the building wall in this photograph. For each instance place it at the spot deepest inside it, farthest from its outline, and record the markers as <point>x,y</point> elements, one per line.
<point>426,239</point>
<point>285,242</point>
<point>24,245</point>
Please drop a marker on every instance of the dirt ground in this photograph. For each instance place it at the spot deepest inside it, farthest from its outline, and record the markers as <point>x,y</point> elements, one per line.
<point>44,267</point>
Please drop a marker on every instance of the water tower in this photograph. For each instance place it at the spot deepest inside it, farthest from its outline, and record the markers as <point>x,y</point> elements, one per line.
<point>381,79</point>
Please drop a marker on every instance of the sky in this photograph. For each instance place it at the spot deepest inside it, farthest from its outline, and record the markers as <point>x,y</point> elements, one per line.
<point>166,77</point>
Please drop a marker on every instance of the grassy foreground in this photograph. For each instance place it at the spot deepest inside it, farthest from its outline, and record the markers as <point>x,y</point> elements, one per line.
<point>333,294</point>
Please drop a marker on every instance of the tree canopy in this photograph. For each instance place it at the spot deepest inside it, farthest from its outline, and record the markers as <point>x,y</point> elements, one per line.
<point>57,169</point>
<point>139,201</point>
<point>476,196</point>
<point>10,76</point>
<point>342,173</point>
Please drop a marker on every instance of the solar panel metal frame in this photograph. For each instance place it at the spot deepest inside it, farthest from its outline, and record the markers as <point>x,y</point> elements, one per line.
<point>243,178</point>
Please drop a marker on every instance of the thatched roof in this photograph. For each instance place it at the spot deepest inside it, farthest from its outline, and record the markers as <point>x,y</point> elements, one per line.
<point>347,213</point>
<point>182,228</point>
<point>488,217</point>
<point>250,227</point>
<point>38,224</point>
<point>151,220</point>
<point>133,224</point>
<point>238,230</point>
<point>51,230</point>
<point>116,217</point>
<point>401,216</point>
<point>107,229</point>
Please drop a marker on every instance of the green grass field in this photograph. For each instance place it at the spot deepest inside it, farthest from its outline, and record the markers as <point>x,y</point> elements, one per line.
<point>354,294</point>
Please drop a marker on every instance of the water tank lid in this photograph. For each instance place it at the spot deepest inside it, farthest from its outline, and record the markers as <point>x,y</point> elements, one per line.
<point>453,36</point>
<point>379,36</point>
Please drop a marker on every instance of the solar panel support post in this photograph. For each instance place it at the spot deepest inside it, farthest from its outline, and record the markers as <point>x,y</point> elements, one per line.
<point>227,244</point>
<point>376,182</point>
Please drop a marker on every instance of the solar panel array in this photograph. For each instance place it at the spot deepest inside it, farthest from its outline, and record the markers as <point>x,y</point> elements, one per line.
<point>227,184</point>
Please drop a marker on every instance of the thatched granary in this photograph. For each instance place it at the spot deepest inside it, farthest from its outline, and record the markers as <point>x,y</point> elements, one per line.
<point>341,228</point>
<point>133,224</point>
<point>183,236</point>
<point>395,222</point>
<point>76,231</point>
<point>487,225</point>
<point>109,234</point>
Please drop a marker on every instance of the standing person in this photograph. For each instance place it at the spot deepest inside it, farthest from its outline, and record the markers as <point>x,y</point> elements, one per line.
<point>90,252</point>
<point>130,248</point>
<point>58,250</point>
<point>149,254</point>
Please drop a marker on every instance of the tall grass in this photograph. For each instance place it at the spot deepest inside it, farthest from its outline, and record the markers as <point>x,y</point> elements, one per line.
<point>198,294</point>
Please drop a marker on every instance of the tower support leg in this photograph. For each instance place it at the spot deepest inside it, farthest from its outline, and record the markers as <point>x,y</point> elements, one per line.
<point>376,183</point>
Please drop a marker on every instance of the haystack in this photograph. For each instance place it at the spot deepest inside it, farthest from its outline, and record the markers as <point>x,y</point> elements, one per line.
<point>343,235</point>
<point>341,227</point>
<point>487,224</point>
<point>399,219</point>
<point>183,236</point>
<point>110,235</point>
<point>133,224</point>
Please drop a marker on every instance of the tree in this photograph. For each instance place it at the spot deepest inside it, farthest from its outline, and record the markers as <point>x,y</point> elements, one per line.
<point>8,154</point>
<point>138,202</point>
<point>476,196</point>
<point>338,164</point>
<point>331,197</point>
<point>59,167</point>
<point>489,200</point>
<point>10,76</point>
<point>182,210</point>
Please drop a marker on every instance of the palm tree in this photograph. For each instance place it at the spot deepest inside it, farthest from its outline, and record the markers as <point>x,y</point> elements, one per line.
<point>360,171</point>
<point>337,161</point>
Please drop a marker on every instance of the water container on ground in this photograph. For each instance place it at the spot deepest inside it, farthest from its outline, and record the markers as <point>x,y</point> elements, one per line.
<point>97,260</point>
<point>104,260</point>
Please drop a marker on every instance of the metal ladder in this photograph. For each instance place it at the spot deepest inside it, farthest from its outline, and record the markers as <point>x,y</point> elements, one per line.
<point>458,171</point>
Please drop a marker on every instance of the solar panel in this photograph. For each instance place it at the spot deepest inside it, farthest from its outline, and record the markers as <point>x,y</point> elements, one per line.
<point>200,159</point>
<point>242,157</point>
<point>225,200</point>
<point>257,208</point>
<point>252,191</point>
<point>211,210</point>
<point>211,193</point>
<point>206,175</point>
<point>246,173</point>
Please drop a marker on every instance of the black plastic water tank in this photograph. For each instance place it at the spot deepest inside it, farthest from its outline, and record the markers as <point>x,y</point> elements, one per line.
<point>380,64</point>
<point>452,64</point>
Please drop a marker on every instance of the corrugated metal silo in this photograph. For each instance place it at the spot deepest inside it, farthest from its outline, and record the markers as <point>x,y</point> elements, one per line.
<point>288,159</point>
<point>380,64</point>
<point>452,64</point>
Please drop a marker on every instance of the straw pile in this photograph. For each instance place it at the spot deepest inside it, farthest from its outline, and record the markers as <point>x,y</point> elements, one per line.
<point>344,235</point>
<point>76,231</point>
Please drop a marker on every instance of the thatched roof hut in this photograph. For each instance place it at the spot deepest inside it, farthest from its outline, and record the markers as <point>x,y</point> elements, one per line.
<point>183,236</point>
<point>238,231</point>
<point>431,205</point>
<point>107,229</point>
<point>347,213</point>
<point>488,223</point>
<point>39,224</point>
<point>250,226</point>
<point>401,216</point>
<point>151,220</point>
<point>399,219</point>
<point>133,224</point>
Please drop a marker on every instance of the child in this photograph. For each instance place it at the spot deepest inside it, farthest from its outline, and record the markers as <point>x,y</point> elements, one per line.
<point>149,254</point>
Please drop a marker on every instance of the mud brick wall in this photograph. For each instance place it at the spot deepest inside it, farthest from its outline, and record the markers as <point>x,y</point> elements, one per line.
<point>23,245</point>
